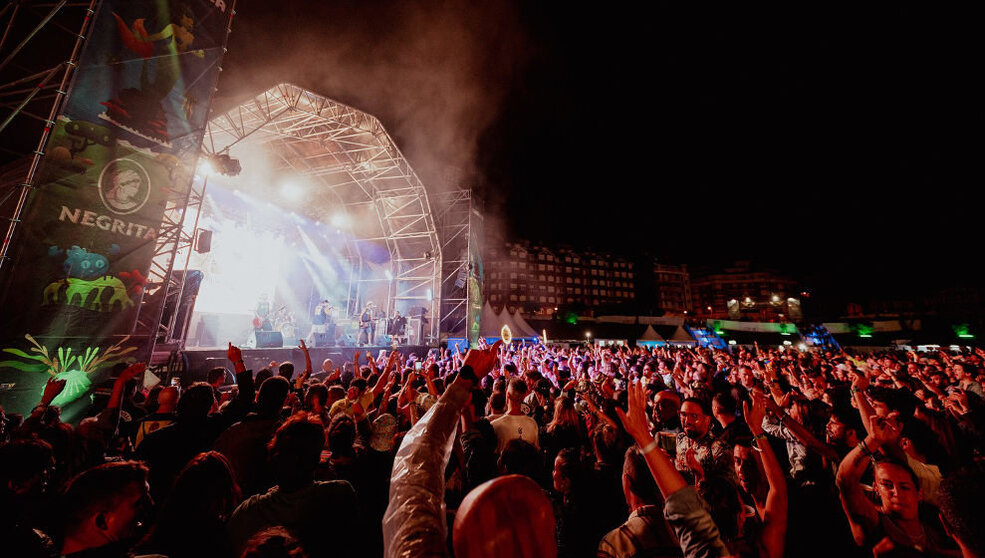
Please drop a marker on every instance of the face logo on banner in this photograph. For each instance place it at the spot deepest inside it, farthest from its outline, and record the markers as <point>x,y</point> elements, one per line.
<point>124,186</point>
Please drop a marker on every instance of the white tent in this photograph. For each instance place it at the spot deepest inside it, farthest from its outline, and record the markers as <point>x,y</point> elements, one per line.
<point>522,328</point>
<point>681,336</point>
<point>651,335</point>
<point>490,323</point>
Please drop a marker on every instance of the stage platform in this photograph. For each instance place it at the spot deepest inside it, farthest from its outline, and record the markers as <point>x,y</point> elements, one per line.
<point>200,360</point>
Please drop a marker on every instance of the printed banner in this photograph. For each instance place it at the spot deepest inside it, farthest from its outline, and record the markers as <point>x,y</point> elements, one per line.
<point>120,155</point>
<point>473,308</point>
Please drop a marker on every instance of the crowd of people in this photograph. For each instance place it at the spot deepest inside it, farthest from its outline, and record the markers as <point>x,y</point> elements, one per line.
<point>515,450</point>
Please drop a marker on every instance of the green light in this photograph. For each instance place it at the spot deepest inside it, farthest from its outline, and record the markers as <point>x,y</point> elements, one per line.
<point>76,384</point>
<point>864,330</point>
<point>62,364</point>
<point>962,331</point>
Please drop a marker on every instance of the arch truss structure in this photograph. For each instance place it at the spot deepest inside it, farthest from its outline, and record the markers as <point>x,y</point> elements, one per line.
<point>356,169</point>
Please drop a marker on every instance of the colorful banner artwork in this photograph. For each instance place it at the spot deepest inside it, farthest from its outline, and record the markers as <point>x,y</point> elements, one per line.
<point>473,309</point>
<point>120,155</point>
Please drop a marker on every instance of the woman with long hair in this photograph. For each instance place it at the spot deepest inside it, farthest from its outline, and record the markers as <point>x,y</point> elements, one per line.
<point>565,430</point>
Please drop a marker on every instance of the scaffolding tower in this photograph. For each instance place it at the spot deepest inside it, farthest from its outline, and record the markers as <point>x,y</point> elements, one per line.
<point>459,222</point>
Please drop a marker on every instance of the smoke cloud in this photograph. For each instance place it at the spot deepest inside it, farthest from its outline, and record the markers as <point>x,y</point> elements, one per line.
<point>435,74</point>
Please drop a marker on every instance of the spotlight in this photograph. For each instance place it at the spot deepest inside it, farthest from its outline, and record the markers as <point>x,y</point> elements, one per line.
<point>340,220</point>
<point>205,167</point>
<point>226,165</point>
<point>292,191</point>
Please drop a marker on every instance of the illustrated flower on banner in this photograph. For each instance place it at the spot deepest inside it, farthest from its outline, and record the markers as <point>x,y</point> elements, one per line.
<point>62,364</point>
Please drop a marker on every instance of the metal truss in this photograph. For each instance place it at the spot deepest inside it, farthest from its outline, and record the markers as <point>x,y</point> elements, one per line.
<point>455,221</point>
<point>172,250</point>
<point>361,172</point>
<point>39,51</point>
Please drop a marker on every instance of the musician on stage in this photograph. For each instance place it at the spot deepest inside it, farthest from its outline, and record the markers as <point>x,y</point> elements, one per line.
<point>262,314</point>
<point>367,325</point>
<point>322,325</point>
<point>397,325</point>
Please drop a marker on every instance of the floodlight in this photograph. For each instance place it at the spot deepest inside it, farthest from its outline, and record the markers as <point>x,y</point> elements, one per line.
<point>340,220</point>
<point>292,191</point>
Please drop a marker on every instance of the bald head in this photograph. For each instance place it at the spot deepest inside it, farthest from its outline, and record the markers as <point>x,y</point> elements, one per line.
<point>507,516</point>
<point>167,399</point>
<point>327,365</point>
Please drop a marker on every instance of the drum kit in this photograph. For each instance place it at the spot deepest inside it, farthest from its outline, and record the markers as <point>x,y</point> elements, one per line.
<point>286,323</point>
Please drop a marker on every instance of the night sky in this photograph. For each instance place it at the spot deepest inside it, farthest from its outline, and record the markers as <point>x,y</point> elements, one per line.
<point>842,146</point>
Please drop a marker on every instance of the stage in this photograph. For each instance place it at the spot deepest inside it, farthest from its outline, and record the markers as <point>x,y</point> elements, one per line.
<point>200,360</point>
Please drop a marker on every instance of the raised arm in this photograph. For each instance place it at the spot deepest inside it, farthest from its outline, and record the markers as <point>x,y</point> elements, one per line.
<point>860,381</point>
<point>306,373</point>
<point>372,363</point>
<point>683,510</point>
<point>414,522</point>
<point>246,390</point>
<point>774,517</point>
<point>383,380</point>
<point>800,432</point>
<point>861,512</point>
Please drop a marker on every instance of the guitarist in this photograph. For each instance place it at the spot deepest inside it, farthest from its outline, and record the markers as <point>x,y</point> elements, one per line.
<point>261,314</point>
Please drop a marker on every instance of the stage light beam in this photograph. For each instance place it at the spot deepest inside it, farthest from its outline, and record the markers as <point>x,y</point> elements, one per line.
<point>292,191</point>
<point>340,220</point>
<point>205,167</point>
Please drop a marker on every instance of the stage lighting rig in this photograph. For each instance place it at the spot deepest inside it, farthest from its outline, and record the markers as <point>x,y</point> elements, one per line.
<point>220,163</point>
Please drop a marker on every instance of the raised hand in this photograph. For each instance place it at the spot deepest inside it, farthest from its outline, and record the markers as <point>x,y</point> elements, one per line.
<point>483,360</point>
<point>234,354</point>
<point>755,413</point>
<point>634,420</point>
<point>302,346</point>
<point>51,390</point>
<point>132,371</point>
<point>860,380</point>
